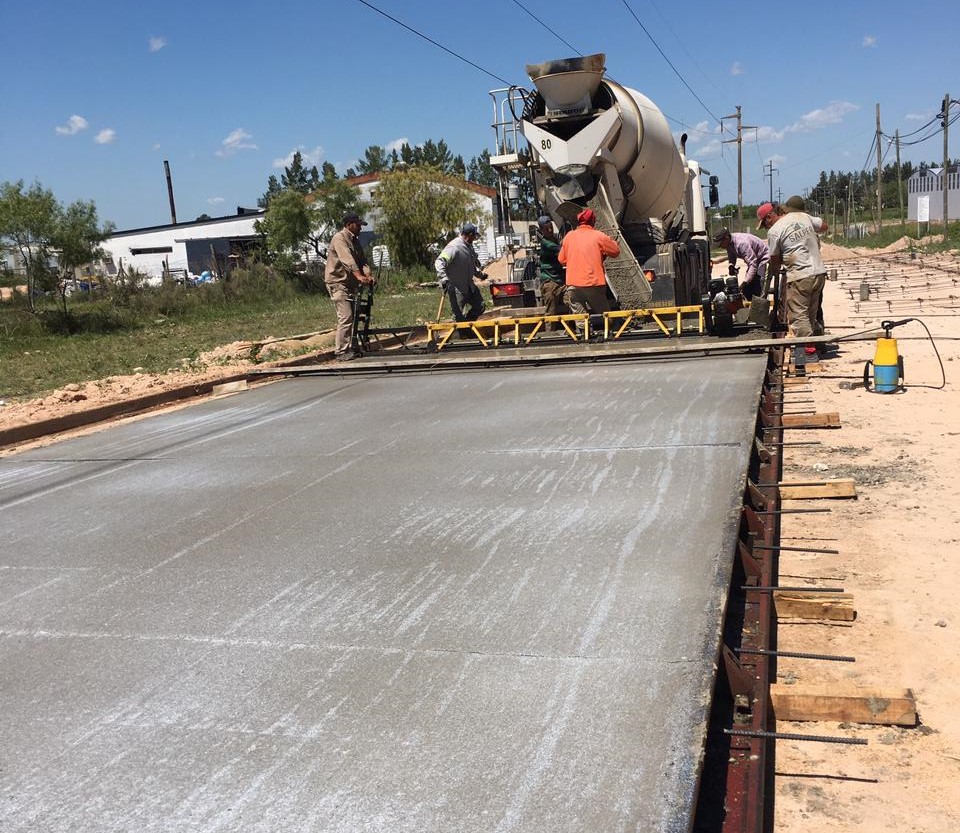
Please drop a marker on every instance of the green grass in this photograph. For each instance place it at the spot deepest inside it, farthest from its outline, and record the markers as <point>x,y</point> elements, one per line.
<point>158,332</point>
<point>893,231</point>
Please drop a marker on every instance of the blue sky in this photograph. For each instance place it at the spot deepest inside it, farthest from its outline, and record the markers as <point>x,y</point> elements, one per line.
<point>97,95</point>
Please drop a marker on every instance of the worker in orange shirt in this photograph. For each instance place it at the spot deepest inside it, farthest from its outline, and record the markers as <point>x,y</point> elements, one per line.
<point>583,251</point>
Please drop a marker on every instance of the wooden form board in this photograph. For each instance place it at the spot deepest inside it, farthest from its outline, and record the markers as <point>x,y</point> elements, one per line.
<point>835,488</point>
<point>889,707</point>
<point>799,605</point>
<point>827,420</point>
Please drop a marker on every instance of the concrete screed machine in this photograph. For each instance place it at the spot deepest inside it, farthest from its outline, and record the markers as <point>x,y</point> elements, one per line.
<point>595,143</point>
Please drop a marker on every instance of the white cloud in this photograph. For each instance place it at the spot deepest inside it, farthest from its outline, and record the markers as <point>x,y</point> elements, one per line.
<point>711,147</point>
<point>919,116</point>
<point>156,44</point>
<point>737,68</point>
<point>105,136</point>
<point>73,126</point>
<point>868,41</point>
<point>156,146</point>
<point>309,157</point>
<point>833,113</point>
<point>396,144</point>
<point>215,200</point>
<point>817,119</point>
<point>237,140</point>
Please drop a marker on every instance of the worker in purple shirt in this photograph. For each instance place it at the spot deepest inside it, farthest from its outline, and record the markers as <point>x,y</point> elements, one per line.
<point>752,251</point>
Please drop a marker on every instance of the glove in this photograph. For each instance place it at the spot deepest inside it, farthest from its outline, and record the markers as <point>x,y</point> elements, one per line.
<point>444,283</point>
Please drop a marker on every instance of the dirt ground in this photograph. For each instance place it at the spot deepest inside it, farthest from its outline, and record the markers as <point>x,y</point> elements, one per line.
<point>899,544</point>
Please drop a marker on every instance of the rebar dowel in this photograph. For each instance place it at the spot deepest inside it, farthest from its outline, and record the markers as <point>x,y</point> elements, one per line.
<point>757,733</point>
<point>824,551</point>
<point>796,655</point>
<point>770,589</point>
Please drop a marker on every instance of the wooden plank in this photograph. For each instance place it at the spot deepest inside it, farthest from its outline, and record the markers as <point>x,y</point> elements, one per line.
<point>857,704</point>
<point>827,420</point>
<point>835,488</point>
<point>796,605</point>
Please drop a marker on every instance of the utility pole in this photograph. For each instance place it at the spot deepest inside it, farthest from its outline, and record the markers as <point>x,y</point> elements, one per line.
<point>946,159</point>
<point>879,178</point>
<point>772,169</point>
<point>739,140</point>
<point>899,180</point>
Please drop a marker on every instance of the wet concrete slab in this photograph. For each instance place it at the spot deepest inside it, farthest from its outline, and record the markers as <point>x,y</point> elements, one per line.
<point>485,600</point>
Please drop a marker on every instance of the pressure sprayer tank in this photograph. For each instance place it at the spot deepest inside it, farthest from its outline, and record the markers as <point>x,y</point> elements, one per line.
<point>584,129</point>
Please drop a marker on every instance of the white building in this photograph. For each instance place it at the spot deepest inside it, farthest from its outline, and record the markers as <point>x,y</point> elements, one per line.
<point>192,247</point>
<point>218,244</point>
<point>928,182</point>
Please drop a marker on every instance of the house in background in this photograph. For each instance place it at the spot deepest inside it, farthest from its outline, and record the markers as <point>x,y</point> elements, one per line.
<point>214,245</point>
<point>218,244</point>
<point>928,182</point>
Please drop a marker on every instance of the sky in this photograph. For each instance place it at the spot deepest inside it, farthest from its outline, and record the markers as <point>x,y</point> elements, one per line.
<point>97,95</point>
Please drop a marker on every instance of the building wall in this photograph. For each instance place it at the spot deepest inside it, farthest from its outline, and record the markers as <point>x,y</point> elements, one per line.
<point>929,183</point>
<point>146,249</point>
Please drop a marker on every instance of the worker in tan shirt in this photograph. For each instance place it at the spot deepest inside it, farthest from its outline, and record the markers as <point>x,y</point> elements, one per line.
<point>346,269</point>
<point>583,251</point>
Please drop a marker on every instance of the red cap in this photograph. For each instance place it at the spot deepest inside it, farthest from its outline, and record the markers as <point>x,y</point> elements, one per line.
<point>586,217</point>
<point>762,213</point>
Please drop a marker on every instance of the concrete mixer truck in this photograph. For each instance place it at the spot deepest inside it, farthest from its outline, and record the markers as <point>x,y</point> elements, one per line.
<point>591,142</point>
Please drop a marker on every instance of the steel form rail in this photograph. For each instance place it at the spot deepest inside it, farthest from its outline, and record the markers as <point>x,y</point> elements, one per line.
<point>747,801</point>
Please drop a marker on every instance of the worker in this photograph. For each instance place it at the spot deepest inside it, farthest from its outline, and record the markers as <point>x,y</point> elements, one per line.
<point>792,240</point>
<point>583,251</point>
<point>457,267</point>
<point>346,270</point>
<point>754,253</point>
<point>792,205</point>
<point>552,273</point>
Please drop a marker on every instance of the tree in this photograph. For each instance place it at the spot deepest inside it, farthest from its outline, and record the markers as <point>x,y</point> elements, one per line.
<point>418,207</point>
<point>76,239</point>
<point>287,223</point>
<point>328,173</point>
<point>295,177</point>
<point>35,225</point>
<point>480,170</point>
<point>27,223</point>
<point>330,202</point>
<point>273,188</point>
<point>375,159</point>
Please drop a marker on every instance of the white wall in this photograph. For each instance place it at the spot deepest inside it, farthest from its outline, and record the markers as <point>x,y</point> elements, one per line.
<point>120,245</point>
<point>934,190</point>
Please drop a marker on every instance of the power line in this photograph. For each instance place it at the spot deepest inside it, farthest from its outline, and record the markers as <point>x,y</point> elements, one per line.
<point>669,62</point>
<point>432,41</point>
<point>544,25</point>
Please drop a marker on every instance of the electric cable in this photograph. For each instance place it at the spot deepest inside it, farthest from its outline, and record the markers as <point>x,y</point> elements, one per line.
<point>544,25</point>
<point>669,62</point>
<point>432,41</point>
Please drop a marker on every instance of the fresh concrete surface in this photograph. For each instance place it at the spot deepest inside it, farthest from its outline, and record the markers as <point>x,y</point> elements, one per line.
<point>467,601</point>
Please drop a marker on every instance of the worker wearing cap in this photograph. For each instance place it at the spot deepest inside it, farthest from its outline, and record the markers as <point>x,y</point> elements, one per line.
<point>792,205</point>
<point>346,269</point>
<point>752,251</point>
<point>793,242</point>
<point>552,273</point>
<point>456,267</point>
<point>583,251</point>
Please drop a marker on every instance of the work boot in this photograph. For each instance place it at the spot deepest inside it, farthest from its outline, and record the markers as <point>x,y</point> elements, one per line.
<point>810,351</point>
<point>346,356</point>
